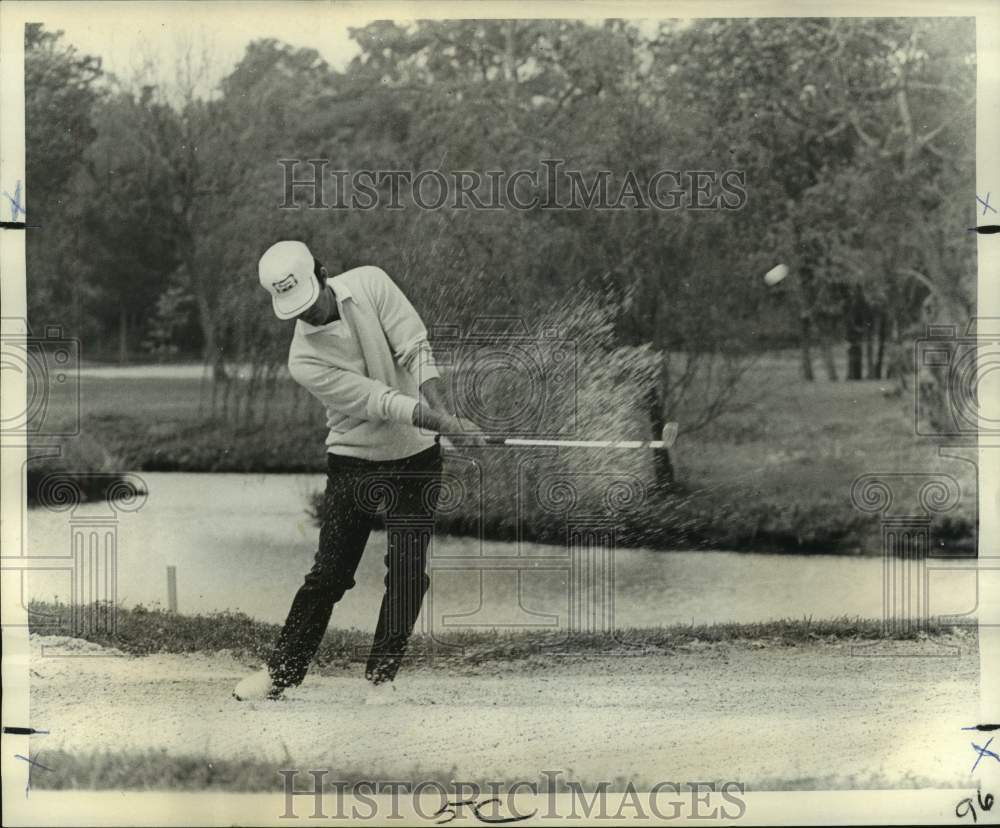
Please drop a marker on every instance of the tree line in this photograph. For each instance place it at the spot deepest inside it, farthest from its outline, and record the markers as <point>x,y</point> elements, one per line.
<point>855,139</point>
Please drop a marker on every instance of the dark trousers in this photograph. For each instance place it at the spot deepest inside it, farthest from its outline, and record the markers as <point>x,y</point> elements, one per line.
<point>360,496</point>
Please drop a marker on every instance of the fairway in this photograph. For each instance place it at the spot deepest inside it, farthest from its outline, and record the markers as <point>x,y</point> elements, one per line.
<point>155,393</point>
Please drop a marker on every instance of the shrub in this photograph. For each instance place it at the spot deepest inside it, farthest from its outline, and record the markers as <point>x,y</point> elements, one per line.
<point>81,460</point>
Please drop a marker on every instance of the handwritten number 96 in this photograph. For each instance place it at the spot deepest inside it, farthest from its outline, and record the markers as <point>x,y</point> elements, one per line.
<point>966,807</point>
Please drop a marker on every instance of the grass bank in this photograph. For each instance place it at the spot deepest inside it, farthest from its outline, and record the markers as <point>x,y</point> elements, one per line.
<point>70,470</point>
<point>773,474</point>
<point>160,771</point>
<point>140,632</point>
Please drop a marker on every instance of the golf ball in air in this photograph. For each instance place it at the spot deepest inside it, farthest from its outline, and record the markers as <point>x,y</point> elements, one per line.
<point>776,274</point>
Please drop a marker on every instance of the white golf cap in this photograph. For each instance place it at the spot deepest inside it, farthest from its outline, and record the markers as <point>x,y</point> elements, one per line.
<point>286,272</point>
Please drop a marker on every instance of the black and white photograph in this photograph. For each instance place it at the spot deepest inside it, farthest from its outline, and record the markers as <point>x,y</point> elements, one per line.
<point>500,413</point>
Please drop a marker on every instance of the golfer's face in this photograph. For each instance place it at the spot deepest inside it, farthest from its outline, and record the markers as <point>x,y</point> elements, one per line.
<point>322,308</point>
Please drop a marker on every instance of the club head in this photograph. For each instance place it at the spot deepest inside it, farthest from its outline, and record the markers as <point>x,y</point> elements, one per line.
<point>669,436</point>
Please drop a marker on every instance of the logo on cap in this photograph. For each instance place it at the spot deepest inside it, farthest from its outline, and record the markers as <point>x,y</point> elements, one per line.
<point>285,284</point>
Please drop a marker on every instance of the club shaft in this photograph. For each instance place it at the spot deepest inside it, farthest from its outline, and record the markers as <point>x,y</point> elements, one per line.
<point>621,444</point>
<point>669,436</point>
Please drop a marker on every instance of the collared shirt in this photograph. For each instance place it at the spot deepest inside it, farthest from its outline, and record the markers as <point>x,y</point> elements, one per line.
<point>366,367</point>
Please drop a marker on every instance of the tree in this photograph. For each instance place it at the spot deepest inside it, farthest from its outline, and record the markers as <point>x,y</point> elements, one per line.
<point>827,110</point>
<point>129,223</point>
<point>505,94</point>
<point>61,89</point>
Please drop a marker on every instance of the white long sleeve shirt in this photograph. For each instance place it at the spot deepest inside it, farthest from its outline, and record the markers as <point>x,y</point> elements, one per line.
<point>366,367</point>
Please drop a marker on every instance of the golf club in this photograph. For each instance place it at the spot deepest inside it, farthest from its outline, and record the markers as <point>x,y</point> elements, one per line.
<point>666,441</point>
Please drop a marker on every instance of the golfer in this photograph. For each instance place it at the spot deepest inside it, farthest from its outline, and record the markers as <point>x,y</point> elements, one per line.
<point>361,349</point>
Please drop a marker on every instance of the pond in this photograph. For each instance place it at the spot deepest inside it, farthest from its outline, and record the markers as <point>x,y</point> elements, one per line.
<point>244,541</point>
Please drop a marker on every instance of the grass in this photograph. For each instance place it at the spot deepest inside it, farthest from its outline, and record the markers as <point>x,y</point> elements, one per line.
<point>153,770</point>
<point>150,771</point>
<point>141,632</point>
<point>145,398</point>
<point>773,474</point>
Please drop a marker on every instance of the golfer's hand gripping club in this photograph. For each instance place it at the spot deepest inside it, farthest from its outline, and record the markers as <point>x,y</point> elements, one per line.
<point>451,428</point>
